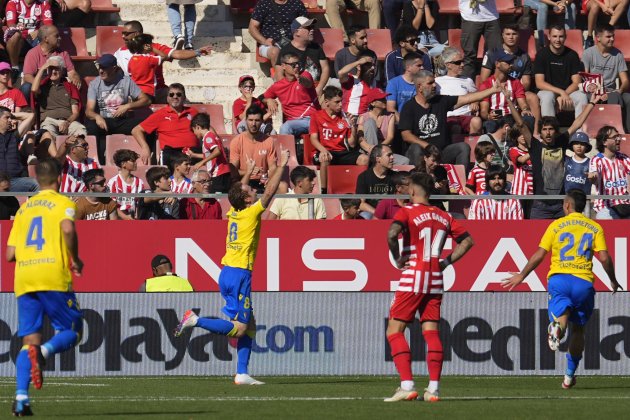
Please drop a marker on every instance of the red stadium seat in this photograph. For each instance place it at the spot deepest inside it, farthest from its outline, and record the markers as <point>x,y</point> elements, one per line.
<point>472,142</point>
<point>73,41</point>
<point>342,179</point>
<point>455,40</point>
<point>242,6</point>
<point>116,142</point>
<point>449,7</point>
<point>91,140</point>
<point>625,147</point>
<point>108,39</point>
<point>104,6</point>
<point>506,7</point>
<point>379,41</point>
<point>215,111</point>
<point>622,40</point>
<point>333,207</point>
<point>601,115</point>
<point>404,168</point>
<point>309,149</point>
<point>330,39</point>
<point>288,142</point>
<point>575,40</point>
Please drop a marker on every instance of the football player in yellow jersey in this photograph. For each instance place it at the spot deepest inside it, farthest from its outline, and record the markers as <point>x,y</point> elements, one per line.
<point>43,243</point>
<point>235,279</point>
<point>572,240</point>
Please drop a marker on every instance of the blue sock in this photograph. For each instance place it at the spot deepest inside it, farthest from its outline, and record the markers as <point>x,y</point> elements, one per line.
<point>62,341</point>
<point>572,364</point>
<point>244,350</point>
<point>23,372</point>
<point>215,325</point>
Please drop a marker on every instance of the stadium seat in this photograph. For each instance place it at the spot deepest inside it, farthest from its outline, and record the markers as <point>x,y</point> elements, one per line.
<point>288,142</point>
<point>342,179</point>
<point>108,39</point>
<point>472,142</point>
<point>622,40</point>
<point>603,114</point>
<point>226,139</point>
<point>460,206</point>
<point>625,146</point>
<point>104,6</point>
<point>575,40</point>
<point>449,7</point>
<point>309,149</point>
<point>507,7</point>
<point>330,39</point>
<point>115,142</point>
<point>379,41</point>
<point>91,140</point>
<point>404,168</point>
<point>74,42</point>
<point>333,207</point>
<point>215,111</point>
<point>455,40</point>
<point>242,6</point>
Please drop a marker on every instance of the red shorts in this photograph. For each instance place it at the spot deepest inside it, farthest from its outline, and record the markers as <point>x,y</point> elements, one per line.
<point>406,304</point>
<point>463,121</point>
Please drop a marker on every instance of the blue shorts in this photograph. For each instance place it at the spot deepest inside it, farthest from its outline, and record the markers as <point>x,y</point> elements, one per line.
<point>567,291</point>
<point>61,308</point>
<point>236,287</point>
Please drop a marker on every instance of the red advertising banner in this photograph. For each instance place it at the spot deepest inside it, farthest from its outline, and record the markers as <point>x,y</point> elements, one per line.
<point>345,256</point>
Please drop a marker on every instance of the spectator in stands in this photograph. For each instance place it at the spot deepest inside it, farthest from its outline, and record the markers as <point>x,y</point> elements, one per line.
<point>423,120</point>
<point>180,167</point>
<point>9,205</point>
<point>270,26</point>
<point>24,19</point>
<point>407,40</point>
<point>556,70</point>
<point>73,156</point>
<point>296,94</point>
<point>257,146</point>
<point>334,8</point>
<point>14,100</point>
<point>421,14</point>
<point>576,167</point>
<point>310,54</point>
<point>303,180</point>
<point>445,176</point>
<point>490,208</point>
<point>38,145</point>
<point>478,18</point>
<point>376,179</point>
<point>108,104</point>
<point>356,87</point>
<point>521,67</point>
<point>134,28</point>
<point>494,106</point>
<point>388,207</point>
<point>547,156</point>
<point>402,88</point>
<point>58,100</point>
<point>542,12</point>
<point>334,136</point>
<point>96,208</point>
<point>73,12</point>
<point>181,39</point>
<point>144,62</point>
<point>10,162</point>
<point>377,126</point>
<point>606,60</point>
<point>126,182</point>
<point>499,139</point>
<point>612,8</point>
<point>49,46</point>
<point>350,209</point>
<point>200,208</point>
<point>171,125</point>
<point>213,154</point>
<point>484,155</point>
<point>357,38</point>
<point>609,171</point>
<point>246,86</point>
<point>453,83</point>
<point>152,208</point>
<point>523,181</point>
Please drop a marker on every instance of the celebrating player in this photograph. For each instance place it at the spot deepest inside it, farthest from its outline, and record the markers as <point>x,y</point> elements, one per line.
<point>41,240</point>
<point>235,280</point>
<point>424,228</point>
<point>572,240</point>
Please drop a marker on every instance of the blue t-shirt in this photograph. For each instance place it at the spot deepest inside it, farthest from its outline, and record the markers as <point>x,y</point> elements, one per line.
<point>400,90</point>
<point>575,175</point>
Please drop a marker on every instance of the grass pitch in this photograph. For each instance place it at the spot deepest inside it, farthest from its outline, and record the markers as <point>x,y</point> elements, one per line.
<point>321,398</point>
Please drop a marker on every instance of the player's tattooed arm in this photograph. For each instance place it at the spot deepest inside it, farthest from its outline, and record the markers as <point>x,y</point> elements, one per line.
<point>392,241</point>
<point>460,250</point>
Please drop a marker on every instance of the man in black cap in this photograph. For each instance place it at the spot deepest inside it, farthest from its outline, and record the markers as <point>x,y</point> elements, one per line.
<point>108,105</point>
<point>164,280</point>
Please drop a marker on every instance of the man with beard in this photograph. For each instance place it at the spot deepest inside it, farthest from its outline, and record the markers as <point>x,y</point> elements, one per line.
<point>491,209</point>
<point>96,208</point>
<point>357,37</point>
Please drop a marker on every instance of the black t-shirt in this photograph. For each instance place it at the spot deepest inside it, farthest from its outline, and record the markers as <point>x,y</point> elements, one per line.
<point>265,13</point>
<point>548,165</point>
<point>309,58</point>
<point>558,69</point>
<point>429,124</point>
<point>369,183</point>
<point>345,57</point>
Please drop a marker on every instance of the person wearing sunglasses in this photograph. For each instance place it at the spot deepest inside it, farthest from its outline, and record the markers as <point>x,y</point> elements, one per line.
<point>407,40</point>
<point>200,208</point>
<point>96,208</point>
<point>73,156</point>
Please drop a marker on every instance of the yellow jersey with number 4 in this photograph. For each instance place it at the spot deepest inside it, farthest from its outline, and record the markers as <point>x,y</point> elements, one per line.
<point>242,237</point>
<point>572,241</point>
<point>41,256</point>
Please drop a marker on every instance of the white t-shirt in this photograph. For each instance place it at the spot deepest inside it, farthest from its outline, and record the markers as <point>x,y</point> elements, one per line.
<point>484,12</point>
<point>456,86</point>
<point>123,55</point>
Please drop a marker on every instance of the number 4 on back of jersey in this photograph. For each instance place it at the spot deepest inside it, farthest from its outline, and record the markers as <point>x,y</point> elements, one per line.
<point>35,237</point>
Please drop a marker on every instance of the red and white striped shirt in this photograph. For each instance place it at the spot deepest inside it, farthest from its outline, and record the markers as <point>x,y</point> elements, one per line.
<point>523,182</point>
<point>219,165</point>
<point>118,185</point>
<point>497,100</point>
<point>354,98</point>
<point>477,179</point>
<point>454,182</point>
<point>489,209</point>
<point>611,178</point>
<point>72,174</point>
<point>184,187</point>
<point>425,230</point>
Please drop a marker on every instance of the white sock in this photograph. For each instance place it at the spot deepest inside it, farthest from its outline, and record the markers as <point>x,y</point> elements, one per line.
<point>21,397</point>
<point>434,386</point>
<point>44,351</point>
<point>407,385</point>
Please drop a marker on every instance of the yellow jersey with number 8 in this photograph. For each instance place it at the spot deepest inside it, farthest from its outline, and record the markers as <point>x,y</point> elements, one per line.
<point>242,237</point>
<point>41,256</point>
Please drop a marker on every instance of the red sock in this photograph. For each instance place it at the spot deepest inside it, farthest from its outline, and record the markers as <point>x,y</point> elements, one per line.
<point>435,354</point>
<point>401,355</point>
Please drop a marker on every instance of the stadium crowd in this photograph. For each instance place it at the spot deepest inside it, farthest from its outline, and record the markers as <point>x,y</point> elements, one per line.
<point>496,126</point>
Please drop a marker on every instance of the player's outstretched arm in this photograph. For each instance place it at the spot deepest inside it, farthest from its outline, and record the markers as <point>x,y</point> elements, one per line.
<point>517,278</point>
<point>607,262</point>
<point>460,250</point>
<point>72,242</point>
<point>274,180</point>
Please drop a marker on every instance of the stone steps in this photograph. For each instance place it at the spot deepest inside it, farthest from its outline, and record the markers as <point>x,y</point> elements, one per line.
<point>157,11</point>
